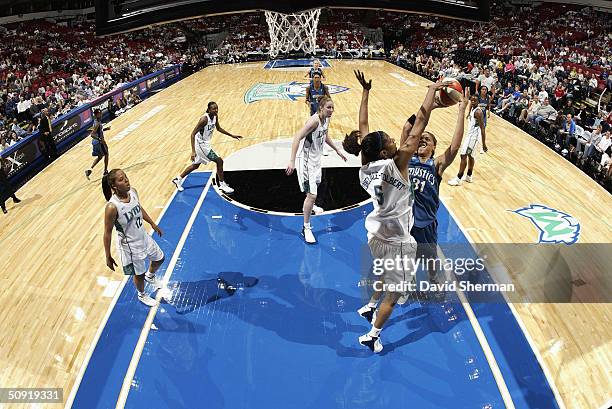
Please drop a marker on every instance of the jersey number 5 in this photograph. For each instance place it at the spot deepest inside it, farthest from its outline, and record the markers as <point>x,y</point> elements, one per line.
<point>380,198</point>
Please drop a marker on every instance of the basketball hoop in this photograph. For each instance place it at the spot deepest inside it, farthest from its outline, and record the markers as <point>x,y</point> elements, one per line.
<point>292,32</point>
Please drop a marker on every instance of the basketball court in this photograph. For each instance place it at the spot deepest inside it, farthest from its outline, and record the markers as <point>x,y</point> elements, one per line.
<point>251,316</point>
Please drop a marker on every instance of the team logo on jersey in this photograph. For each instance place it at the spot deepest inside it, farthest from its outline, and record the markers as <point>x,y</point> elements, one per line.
<point>555,226</point>
<point>288,91</point>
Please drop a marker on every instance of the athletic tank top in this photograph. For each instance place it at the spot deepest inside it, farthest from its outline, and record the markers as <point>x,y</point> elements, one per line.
<point>314,71</point>
<point>392,218</point>
<point>312,145</point>
<point>426,184</point>
<point>99,131</point>
<point>204,135</point>
<point>483,103</point>
<point>130,231</point>
<point>473,129</point>
<point>315,95</point>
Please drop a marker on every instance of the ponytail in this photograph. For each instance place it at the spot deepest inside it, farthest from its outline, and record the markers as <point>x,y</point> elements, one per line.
<point>351,143</point>
<point>107,181</point>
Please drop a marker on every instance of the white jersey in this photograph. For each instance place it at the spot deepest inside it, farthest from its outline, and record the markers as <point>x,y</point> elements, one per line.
<point>393,196</point>
<point>311,147</point>
<point>131,235</point>
<point>204,135</point>
<point>473,130</point>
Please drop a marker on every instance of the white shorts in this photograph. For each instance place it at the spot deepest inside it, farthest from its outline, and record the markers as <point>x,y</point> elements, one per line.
<point>137,264</point>
<point>309,177</point>
<point>393,273</point>
<point>468,147</point>
<point>204,155</point>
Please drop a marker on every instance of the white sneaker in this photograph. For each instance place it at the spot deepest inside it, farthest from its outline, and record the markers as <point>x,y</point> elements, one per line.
<point>147,300</point>
<point>371,342</point>
<point>455,181</point>
<point>317,210</point>
<point>178,182</point>
<point>368,313</point>
<point>151,279</point>
<point>308,236</point>
<point>402,300</point>
<point>468,179</point>
<point>225,188</point>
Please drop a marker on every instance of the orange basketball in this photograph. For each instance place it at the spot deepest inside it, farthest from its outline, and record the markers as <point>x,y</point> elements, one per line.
<point>451,94</point>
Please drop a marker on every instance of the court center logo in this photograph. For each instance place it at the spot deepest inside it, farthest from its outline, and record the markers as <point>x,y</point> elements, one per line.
<point>288,91</point>
<point>555,226</point>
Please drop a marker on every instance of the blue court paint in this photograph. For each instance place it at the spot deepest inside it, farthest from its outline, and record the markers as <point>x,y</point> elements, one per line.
<point>288,336</point>
<point>517,362</point>
<point>294,63</point>
<point>104,375</point>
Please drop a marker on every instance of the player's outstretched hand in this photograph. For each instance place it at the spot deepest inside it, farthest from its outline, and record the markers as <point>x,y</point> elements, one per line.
<point>157,230</point>
<point>236,136</point>
<point>367,85</point>
<point>110,262</point>
<point>290,168</point>
<point>342,156</point>
<point>465,100</point>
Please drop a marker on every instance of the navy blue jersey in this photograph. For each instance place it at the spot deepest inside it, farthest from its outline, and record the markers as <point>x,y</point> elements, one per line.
<point>315,95</point>
<point>314,71</point>
<point>426,191</point>
<point>483,103</point>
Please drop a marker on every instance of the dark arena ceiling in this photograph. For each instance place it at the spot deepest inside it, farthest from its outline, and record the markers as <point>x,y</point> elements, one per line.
<point>114,16</point>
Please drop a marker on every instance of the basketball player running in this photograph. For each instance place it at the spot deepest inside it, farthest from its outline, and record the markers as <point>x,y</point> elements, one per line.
<point>309,141</point>
<point>98,144</point>
<point>425,174</point>
<point>124,212</point>
<point>476,130</point>
<point>384,175</point>
<point>201,148</point>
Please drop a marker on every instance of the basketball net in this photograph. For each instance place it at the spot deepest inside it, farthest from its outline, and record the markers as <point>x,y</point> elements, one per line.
<point>292,32</point>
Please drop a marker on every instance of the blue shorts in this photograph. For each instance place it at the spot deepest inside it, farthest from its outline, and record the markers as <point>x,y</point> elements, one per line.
<point>427,240</point>
<point>98,149</point>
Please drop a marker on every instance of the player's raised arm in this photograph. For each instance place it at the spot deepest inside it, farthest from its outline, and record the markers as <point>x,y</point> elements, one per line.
<point>412,133</point>
<point>445,159</point>
<point>364,127</point>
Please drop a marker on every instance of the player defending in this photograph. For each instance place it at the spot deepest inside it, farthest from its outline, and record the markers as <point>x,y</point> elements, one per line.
<point>309,141</point>
<point>384,175</point>
<point>476,129</point>
<point>201,148</point>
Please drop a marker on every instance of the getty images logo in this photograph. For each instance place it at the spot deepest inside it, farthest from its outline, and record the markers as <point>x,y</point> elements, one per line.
<point>555,226</point>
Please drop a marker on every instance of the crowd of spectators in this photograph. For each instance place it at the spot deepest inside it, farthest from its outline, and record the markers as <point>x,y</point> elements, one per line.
<point>537,62</point>
<point>545,69</point>
<point>61,66</point>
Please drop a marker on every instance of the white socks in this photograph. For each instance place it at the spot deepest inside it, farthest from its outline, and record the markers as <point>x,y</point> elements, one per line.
<point>374,332</point>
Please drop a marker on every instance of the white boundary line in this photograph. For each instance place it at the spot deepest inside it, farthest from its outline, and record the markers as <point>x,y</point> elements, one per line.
<point>111,307</point>
<point>484,344</point>
<point>530,341</point>
<point>129,376</point>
